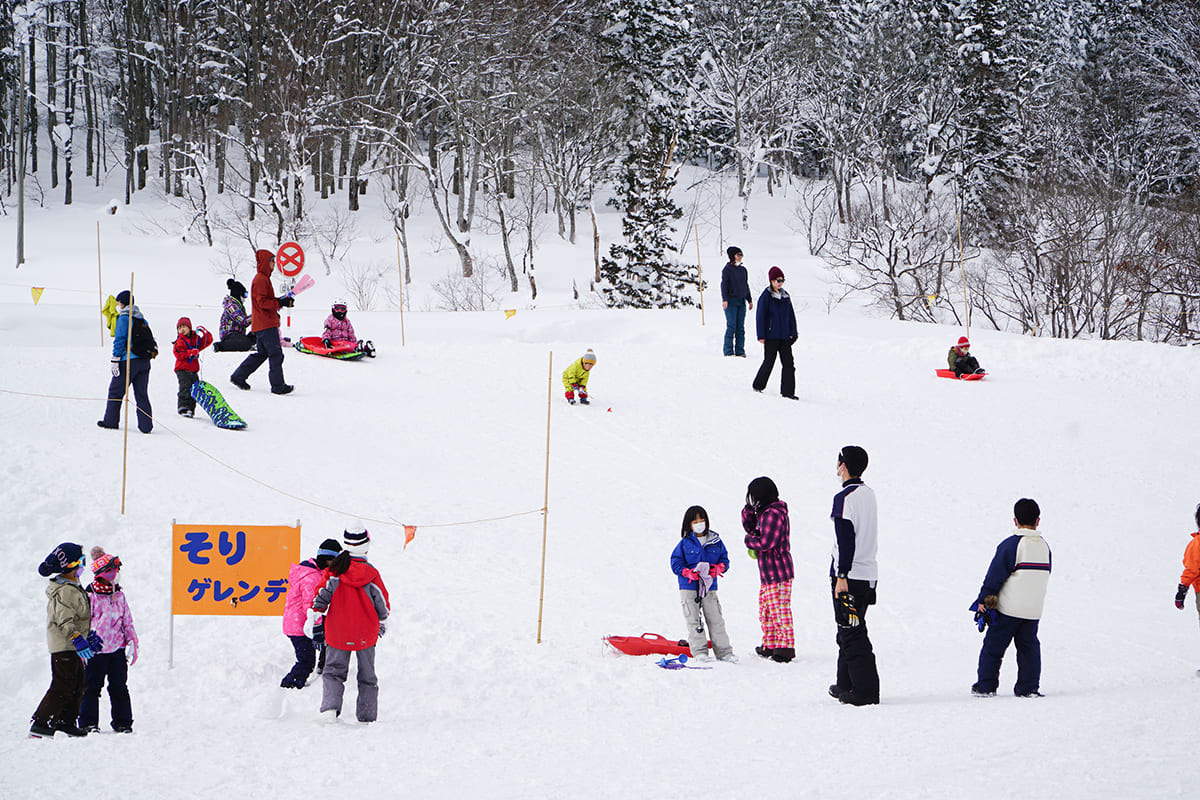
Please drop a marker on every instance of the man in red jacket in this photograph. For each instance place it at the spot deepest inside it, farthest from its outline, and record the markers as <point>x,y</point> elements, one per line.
<point>264,324</point>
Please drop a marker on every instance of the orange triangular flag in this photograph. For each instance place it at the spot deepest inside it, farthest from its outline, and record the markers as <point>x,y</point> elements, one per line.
<point>410,533</point>
<point>508,313</point>
<point>37,293</point>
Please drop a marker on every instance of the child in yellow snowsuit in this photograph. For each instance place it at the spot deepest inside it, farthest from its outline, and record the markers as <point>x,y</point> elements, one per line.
<point>575,377</point>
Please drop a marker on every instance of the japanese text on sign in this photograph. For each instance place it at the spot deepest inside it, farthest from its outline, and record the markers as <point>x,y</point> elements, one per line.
<point>231,569</point>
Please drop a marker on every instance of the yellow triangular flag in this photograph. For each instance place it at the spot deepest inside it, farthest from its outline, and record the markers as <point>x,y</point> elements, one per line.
<point>37,293</point>
<point>508,313</point>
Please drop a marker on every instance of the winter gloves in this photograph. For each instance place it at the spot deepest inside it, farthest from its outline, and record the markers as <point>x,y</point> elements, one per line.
<point>132,647</point>
<point>690,574</point>
<point>844,611</point>
<point>116,368</point>
<point>570,393</point>
<point>89,646</point>
<point>717,570</point>
<point>985,611</point>
<point>1181,595</point>
<point>750,551</point>
<point>287,301</point>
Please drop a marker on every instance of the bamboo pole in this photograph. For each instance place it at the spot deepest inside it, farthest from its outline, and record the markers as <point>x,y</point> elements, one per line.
<point>400,270</point>
<point>128,348</point>
<point>100,284</point>
<point>963,270</point>
<point>699,273</point>
<point>545,495</point>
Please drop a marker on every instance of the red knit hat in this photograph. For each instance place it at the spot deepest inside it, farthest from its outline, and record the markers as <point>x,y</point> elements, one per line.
<point>774,272</point>
<point>184,321</point>
<point>963,342</point>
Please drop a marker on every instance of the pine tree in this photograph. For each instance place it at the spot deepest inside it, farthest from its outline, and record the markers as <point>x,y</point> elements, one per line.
<point>645,42</point>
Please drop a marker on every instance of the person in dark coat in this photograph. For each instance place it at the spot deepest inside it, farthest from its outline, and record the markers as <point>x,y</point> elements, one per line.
<point>235,321</point>
<point>735,297</point>
<point>776,332</point>
<point>137,367</point>
<point>264,313</point>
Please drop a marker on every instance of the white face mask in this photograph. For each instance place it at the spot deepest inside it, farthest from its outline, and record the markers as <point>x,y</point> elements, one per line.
<point>699,527</point>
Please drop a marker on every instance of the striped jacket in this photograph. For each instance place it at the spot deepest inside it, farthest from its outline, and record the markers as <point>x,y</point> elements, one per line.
<point>1018,575</point>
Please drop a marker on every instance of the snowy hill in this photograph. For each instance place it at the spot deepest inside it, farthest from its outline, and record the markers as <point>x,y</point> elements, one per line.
<point>450,428</point>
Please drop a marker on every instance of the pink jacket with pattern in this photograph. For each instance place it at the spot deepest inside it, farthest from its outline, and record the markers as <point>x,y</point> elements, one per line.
<point>339,330</point>
<point>303,580</point>
<point>112,620</point>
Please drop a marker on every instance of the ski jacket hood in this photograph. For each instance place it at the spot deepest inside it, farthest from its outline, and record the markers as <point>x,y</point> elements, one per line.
<point>354,603</point>
<point>266,262</point>
<point>264,305</point>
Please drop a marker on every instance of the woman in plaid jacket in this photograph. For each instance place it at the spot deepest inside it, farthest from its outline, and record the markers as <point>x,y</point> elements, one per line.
<point>769,540</point>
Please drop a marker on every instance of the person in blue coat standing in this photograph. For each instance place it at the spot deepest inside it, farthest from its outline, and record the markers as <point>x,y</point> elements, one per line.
<point>137,367</point>
<point>776,332</point>
<point>735,297</point>
<point>698,560</point>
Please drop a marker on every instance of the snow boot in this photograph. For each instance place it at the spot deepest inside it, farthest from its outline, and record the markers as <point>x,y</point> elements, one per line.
<point>977,692</point>
<point>783,654</point>
<point>69,728</point>
<point>41,730</point>
<point>851,699</point>
<point>765,652</point>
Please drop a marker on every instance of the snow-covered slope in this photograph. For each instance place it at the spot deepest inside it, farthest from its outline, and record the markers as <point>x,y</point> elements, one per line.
<point>451,428</point>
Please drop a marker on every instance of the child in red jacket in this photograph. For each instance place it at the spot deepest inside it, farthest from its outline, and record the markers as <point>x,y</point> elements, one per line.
<point>187,361</point>
<point>356,606</point>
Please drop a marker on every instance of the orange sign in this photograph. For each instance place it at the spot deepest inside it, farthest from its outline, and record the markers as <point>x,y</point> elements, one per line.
<point>290,259</point>
<point>232,569</point>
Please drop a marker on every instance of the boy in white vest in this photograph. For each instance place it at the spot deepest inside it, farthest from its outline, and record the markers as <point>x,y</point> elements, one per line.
<point>1011,601</point>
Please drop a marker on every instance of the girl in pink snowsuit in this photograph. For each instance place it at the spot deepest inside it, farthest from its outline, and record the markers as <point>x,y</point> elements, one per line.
<point>112,620</point>
<point>337,326</point>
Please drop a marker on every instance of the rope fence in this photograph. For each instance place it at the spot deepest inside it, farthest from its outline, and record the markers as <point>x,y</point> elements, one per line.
<point>391,522</point>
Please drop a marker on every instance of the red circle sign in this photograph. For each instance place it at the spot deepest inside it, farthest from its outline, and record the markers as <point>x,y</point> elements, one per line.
<point>290,259</point>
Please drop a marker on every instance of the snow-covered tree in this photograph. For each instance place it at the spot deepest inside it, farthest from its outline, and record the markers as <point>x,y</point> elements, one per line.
<point>646,46</point>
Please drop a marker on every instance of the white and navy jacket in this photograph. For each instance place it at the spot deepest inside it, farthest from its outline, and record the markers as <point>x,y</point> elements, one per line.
<point>856,533</point>
<point>1018,575</point>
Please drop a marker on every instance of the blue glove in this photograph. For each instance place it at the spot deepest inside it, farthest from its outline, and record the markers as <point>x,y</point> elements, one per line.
<point>82,647</point>
<point>94,641</point>
<point>983,616</point>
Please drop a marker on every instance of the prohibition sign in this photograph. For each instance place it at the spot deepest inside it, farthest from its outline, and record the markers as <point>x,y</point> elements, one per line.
<point>290,259</point>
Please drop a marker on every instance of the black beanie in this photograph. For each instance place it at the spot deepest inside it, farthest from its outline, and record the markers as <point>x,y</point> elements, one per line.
<point>855,459</point>
<point>733,251</point>
<point>124,297</point>
<point>61,559</point>
<point>236,289</point>
<point>761,492</point>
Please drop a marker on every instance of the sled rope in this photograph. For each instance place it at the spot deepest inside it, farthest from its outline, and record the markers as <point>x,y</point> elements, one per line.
<point>391,523</point>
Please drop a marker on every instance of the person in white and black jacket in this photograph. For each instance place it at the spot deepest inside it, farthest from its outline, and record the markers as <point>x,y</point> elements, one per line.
<point>1011,600</point>
<point>853,575</point>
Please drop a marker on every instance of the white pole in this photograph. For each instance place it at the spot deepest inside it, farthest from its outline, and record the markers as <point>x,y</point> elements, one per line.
<point>545,495</point>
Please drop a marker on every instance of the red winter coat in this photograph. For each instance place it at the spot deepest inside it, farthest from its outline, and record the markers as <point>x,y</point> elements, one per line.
<point>264,306</point>
<point>185,346</point>
<point>354,603</point>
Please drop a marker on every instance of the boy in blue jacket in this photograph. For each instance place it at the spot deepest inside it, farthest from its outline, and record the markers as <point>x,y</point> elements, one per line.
<point>699,559</point>
<point>777,331</point>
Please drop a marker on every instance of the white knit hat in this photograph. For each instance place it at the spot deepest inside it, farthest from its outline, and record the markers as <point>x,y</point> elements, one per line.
<point>356,540</point>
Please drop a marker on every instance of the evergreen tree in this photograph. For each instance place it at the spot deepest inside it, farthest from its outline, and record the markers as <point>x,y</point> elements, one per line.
<point>645,43</point>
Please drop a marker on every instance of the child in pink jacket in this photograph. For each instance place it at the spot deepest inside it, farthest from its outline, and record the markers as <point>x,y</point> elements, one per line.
<point>337,325</point>
<point>112,620</point>
<point>303,580</point>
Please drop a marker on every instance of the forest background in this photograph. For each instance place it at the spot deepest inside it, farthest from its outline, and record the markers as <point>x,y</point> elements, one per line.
<point>1030,163</point>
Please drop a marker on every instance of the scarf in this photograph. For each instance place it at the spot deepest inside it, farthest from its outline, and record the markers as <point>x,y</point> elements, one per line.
<point>101,586</point>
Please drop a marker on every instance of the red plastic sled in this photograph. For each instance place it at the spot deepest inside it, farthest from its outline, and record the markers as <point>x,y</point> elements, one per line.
<point>649,644</point>
<point>315,345</point>
<point>970,376</point>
